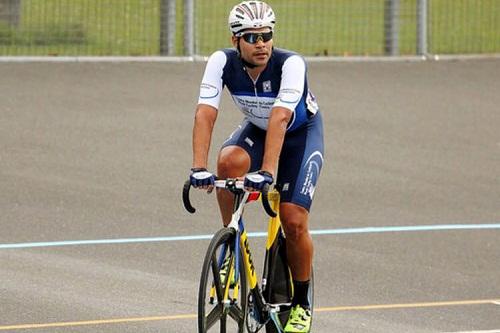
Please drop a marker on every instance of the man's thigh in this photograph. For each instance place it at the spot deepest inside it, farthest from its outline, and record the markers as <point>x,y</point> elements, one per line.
<point>300,163</point>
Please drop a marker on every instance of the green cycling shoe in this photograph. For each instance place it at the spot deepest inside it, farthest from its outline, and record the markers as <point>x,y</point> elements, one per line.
<point>299,320</point>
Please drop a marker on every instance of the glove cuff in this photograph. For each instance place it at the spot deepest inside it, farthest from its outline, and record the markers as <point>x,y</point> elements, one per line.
<point>193,170</point>
<point>265,173</point>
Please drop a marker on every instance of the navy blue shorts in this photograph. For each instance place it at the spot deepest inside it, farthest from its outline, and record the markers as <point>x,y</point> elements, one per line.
<point>300,161</point>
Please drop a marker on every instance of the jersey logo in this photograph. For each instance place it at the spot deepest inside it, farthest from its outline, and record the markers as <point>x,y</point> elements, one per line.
<point>266,86</point>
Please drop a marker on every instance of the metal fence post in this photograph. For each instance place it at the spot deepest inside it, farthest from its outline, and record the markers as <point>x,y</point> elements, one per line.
<point>391,27</point>
<point>422,42</point>
<point>189,27</point>
<point>167,27</point>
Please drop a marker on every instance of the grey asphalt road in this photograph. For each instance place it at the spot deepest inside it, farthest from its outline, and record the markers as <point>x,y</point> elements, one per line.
<point>99,151</point>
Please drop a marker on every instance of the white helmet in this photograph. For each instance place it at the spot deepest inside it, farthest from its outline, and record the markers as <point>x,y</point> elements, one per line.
<point>250,15</point>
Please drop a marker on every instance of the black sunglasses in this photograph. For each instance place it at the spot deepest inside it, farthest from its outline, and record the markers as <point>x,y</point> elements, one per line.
<point>254,37</point>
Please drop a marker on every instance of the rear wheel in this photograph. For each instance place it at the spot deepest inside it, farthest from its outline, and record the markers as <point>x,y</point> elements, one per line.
<point>216,311</point>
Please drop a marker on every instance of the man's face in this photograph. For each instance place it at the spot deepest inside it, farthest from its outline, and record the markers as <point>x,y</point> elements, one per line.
<point>254,46</point>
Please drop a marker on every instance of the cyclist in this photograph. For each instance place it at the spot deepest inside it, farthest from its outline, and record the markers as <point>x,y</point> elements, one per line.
<point>281,134</point>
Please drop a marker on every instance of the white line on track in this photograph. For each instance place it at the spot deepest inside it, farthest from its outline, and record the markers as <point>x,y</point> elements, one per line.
<point>365,230</point>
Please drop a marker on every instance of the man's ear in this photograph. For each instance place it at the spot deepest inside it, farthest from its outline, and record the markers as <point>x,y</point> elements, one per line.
<point>234,41</point>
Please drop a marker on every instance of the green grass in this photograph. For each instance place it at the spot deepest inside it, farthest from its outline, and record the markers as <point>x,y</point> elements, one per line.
<point>110,27</point>
<point>475,27</point>
<point>311,27</point>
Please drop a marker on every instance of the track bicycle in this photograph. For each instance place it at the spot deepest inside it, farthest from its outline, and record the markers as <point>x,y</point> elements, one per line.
<point>230,297</point>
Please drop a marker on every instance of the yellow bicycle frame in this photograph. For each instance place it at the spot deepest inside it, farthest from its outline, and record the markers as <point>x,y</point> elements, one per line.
<point>274,222</point>
<point>273,228</point>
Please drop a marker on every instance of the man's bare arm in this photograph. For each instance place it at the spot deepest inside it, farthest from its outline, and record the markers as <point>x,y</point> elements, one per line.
<point>276,129</point>
<point>204,122</point>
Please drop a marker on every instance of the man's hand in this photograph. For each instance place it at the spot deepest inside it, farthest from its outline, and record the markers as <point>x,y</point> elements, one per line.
<point>257,180</point>
<point>201,178</point>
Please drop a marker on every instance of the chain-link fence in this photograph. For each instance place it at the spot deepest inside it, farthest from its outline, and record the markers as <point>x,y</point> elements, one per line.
<point>187,27</point>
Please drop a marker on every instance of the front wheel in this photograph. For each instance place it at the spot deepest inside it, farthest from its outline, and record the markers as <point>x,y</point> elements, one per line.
<point>222,294</point>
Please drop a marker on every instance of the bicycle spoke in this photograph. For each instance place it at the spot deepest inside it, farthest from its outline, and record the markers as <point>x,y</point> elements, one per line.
<point>223,324</point>
<point>214,315</point>
<point>236,313</point>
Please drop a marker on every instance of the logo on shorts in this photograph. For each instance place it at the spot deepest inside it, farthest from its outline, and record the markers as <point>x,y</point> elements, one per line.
<point>312,168</point>
<point>266,86</point>
<point>249,141</point>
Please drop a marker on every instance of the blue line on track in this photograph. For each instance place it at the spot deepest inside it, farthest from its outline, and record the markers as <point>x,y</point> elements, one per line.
<point>365,230</point>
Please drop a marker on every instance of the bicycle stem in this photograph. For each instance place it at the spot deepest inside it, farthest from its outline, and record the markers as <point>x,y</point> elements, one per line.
<point>238,210</point>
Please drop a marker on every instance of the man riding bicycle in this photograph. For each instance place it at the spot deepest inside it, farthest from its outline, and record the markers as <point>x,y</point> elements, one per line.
<point>281,135</point>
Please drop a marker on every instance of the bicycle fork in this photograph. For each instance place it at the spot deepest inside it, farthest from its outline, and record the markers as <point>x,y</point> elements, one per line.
<point>258,308</point>
<point>231,278</point>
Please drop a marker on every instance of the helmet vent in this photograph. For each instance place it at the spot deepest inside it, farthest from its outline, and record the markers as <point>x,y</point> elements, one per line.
<point>251,15</point>
<point>247,10</point>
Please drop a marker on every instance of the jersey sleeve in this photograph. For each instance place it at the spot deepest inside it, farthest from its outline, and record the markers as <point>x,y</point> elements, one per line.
<point>292,83</point>
<point>211,84</point>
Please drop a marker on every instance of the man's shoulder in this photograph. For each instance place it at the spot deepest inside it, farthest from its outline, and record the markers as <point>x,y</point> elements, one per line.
<point>224,53</point>
<point>229,52</point>
<point>284,53</point>
<point>281,55</point>
<point>226,57</point>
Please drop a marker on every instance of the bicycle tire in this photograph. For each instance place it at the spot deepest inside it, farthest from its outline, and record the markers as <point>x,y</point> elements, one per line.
<point>228,318</point>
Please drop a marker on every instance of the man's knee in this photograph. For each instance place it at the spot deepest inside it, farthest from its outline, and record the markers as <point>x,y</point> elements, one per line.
<point>294,220</point>
<point>233,161</point>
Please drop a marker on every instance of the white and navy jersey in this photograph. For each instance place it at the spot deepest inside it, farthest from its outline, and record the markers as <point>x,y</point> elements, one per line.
<point>283,83</point>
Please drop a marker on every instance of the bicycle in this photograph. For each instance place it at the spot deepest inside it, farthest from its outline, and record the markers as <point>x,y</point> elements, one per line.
<point>223,286</point>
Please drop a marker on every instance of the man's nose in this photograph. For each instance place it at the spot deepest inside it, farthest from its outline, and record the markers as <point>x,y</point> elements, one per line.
<point>260,42</point>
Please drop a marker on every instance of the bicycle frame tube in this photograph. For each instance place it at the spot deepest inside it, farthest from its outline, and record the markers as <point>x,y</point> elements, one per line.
<point>237,224</point>
<point>237,251</point>
<point>274,222</point>
<point>241,242</point>
<point>238,210</point>
<point>247,258</point>
<point>251,272</point>
<point>273,229</point>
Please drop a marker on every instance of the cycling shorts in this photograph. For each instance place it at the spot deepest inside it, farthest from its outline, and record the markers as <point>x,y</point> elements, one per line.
<point>300,162</point>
